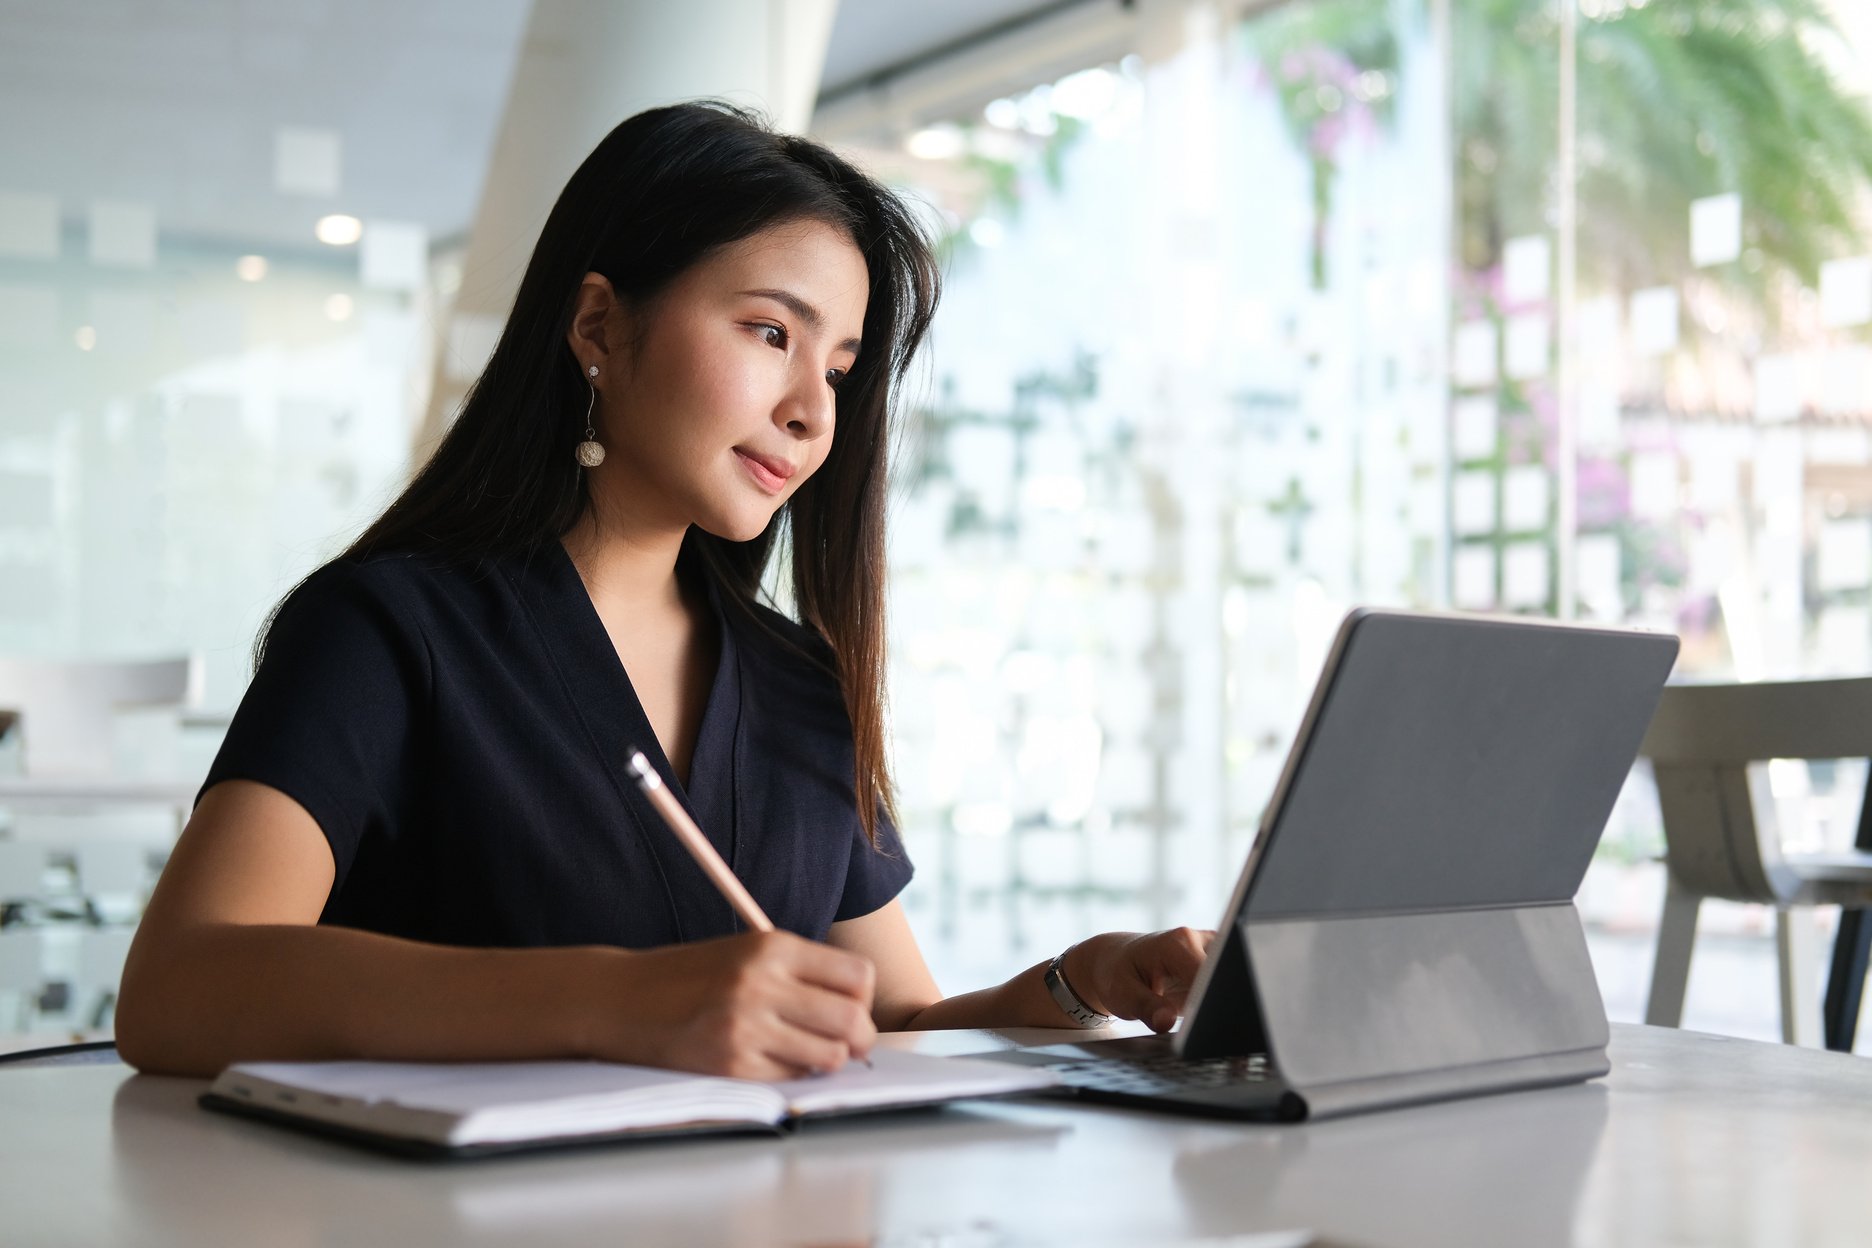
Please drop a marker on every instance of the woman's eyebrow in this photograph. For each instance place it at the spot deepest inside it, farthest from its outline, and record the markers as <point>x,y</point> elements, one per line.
<point>815,320</point>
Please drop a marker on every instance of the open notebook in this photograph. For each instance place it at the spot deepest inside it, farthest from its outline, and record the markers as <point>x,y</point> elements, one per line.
<point>468,1109</point>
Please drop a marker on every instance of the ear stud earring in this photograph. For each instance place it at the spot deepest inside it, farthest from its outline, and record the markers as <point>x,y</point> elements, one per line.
<point>589,453</point>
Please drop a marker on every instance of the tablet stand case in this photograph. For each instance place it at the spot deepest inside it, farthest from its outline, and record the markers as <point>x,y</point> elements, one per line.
<point>1369,1012</point>
<point>1408,932</point>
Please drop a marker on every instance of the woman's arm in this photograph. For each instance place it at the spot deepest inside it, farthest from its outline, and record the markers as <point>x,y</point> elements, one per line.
<point>1125,974</point>
<point>229,964</point>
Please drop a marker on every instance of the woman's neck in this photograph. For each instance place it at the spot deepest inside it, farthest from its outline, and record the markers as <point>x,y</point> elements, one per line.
<point>625,568</point>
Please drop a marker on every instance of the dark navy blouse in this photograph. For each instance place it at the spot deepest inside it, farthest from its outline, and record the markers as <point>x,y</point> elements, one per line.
<point>460,735</point>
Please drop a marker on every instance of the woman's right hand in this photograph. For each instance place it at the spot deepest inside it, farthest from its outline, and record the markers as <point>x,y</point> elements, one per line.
<point>761,1005</point>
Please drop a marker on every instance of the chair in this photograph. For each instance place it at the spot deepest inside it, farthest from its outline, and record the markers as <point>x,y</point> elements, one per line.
<point>1852,955</point>
<point>62,714</point>
<point>1719,845</point>
<point>64,710</point>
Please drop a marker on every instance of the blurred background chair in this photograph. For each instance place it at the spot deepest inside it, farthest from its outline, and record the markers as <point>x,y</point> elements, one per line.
<point>87,822</point>
<point>64,712</point>
<point>1721,843</point>
<point>1852,955</point>
<point>62,726</point>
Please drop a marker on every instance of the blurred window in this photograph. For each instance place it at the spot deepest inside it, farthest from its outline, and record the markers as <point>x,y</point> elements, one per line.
<point>1269,322</point>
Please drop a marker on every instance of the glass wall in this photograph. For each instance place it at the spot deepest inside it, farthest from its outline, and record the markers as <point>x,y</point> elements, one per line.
<point>1301,309</point>
<point>224,246</point>
<point>1186,404</point>
<point>180,440</point>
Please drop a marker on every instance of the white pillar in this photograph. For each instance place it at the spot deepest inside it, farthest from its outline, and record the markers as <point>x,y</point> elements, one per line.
<point>1181,44</point>
<point>584,66</point>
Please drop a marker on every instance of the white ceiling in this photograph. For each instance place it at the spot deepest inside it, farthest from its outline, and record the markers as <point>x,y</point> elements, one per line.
<point>175,103</point>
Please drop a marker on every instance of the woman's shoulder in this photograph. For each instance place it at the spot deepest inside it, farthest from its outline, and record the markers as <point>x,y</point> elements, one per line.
<point>405,576</point>
<point>413,594</point>
<point>790,653</point>
<point>781,632</point>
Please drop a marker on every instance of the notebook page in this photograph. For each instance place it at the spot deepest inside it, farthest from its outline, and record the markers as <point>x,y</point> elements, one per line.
<point>899,1078</point>
<point>487,1102</point>
<point>461,1087</point>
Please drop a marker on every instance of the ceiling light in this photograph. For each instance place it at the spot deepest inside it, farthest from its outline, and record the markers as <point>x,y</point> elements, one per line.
<point>339,230</point>
<point>86,338</point>
<point>250,268</point>
<point>338,307</point>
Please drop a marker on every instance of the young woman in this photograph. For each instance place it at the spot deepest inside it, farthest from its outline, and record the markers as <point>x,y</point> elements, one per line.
<point>419,839</point>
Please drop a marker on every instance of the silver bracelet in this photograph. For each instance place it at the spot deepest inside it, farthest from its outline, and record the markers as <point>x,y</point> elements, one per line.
<point>1068,1001</point>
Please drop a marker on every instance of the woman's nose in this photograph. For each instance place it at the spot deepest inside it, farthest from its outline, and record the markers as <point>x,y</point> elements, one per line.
<point>809,409</point>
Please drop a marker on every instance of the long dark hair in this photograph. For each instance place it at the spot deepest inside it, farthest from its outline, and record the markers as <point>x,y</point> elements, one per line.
<point>663,190</point>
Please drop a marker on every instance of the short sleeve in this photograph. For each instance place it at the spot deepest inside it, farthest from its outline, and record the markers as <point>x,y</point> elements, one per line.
<point>876,874</point>
<point>331,717</point>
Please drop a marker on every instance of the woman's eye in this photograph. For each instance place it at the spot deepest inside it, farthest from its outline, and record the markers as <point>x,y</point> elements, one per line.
<point>834,376</point>
<point>772,335</point>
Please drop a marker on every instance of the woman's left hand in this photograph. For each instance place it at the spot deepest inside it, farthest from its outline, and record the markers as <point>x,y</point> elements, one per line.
<point>1138,975</point>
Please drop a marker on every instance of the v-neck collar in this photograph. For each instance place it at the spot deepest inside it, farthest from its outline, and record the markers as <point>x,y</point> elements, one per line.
<point>601,692</point>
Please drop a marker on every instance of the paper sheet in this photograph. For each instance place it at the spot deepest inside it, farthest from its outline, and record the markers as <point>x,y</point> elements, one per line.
<point>1473,354</point>
<point>1525,498</point>
<point>1526,264</point>
<point>1654,485</point>
<point>1596,575</point>
<point>1846,292</point>
<point>1777,388</point>
<point>1525,574</point>
<point>1472,578</point>
<point>1599,426</point>
<point>1599,328</point>
<point>1472,504</point>
<point>1473,427</point>
<point>1654,320</point>
<point>1715,229</point>
<point>1527,350</point>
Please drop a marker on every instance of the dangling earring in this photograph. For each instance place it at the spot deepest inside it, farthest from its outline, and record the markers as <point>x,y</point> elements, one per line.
<point>590,454</point>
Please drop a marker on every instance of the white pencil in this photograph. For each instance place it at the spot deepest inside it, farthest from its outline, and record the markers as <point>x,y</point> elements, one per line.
<point>699,848</point>
<point>698,845</point>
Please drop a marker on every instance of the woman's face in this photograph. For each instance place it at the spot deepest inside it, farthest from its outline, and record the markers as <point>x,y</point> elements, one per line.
<point>717,404</point>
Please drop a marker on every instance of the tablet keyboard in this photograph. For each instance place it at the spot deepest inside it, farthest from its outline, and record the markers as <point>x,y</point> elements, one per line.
<point>1158,1075</point>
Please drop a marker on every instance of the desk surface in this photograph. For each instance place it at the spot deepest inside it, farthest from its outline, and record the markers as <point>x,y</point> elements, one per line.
<point>1691,1140</point>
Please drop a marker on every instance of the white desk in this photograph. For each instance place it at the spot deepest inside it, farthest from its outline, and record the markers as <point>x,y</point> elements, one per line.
<point>1691,1140</point>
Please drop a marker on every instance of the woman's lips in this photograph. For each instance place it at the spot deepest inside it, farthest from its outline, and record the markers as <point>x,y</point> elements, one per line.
<point>770,474</point>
